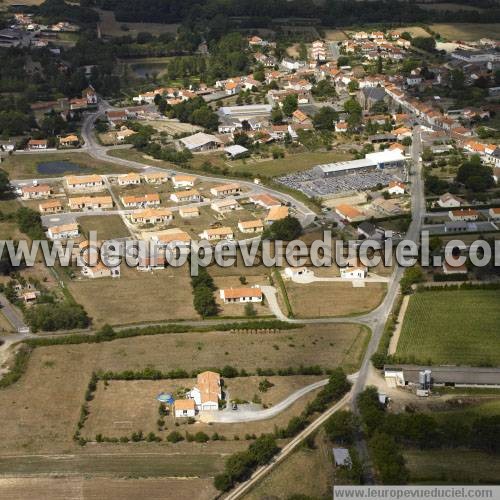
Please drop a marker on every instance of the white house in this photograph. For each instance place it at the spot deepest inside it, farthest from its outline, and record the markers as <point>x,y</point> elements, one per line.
<point>218,233</point>
<point>241,295</point>
<point>183,181</point>
<point>82,182</point>
<point>357,271</point>
<point>251,226</point>
<point>396,187</point>
<point>448,200</point>
<point>294,272</point>
<point>225,205</point>
<point>185,196</point>
<point>226,189</point>
<point>64,231</point>
<point>207,392</point>
<point>129,179</point>
<point>36,192</point>
<point>185,408</point>
<point>464,215</point>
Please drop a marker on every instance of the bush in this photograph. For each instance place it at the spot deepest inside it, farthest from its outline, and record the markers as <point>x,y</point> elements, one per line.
<point>175,437</point>
<point>201,437</point>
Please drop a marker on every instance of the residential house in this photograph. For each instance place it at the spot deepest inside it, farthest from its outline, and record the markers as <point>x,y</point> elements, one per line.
<point>189,212</point>
<point>396,187</point>
<point>402,132</point>
<point>241,295</point>
<point>389,207</point>
<point>468,215</point>
<point>276,213</point>
<point>357,271</point>
<point>226,189</point>
<point>131,179</point>
<point>155,177</point>
<point>494,213</point>
<point>191,195</point>
<point>296,272</point>
<point>341,126</point>
<point>201,142</point>
<point>172,236</point>
<point>251,226</point>
<point>149,263</point>
<point>448,200</point>
<point>144,200</point>
<point>70,141</point>
<point>183,181</point>
<point>318,51</point>
<point>184,408</point>
<point>51,207</point>
<point>37,144</point>
<point>218,233</point>
<point>453,265</point>
<point>152,216</point>
<point>100,270</point>
<point>348,212</point>
<point>207,392</point>
<point>225,205</point>
<point>84,182</point>
<point>84,203</point>
<point>369,230</point>
<point>36,192</point>
<point>64,231</point>
<point>265,201</point>
<point>299,116</point>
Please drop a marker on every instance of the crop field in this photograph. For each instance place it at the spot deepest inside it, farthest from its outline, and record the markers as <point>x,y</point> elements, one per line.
<point>326,299</point>
<point>413,30</point>
<point>106,226</point>
<point>451,7</point>
<point>335,35</point>
<point>136,297</point>
<point>111,27</point>
<point>467,31</point>
<point>24,166</point>
<point>448,327</point>
<point>96,488</point>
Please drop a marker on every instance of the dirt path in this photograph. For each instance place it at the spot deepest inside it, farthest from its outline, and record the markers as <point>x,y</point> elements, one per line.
<point>395,337</point>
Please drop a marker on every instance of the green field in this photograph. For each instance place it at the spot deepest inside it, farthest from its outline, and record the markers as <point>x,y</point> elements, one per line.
<point>452,467</point>
<point>452,327</point>
<point>107,226</point>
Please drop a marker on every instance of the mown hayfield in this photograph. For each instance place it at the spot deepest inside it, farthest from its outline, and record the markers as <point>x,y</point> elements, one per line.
<point>467,31</point>
<point>452,327</point>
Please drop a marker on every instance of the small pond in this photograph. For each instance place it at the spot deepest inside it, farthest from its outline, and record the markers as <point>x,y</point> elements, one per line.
<point>60,167</point>
<point>148,69</point>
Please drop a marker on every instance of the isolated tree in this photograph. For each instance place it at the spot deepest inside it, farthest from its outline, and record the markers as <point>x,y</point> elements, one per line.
<point>290,104</point>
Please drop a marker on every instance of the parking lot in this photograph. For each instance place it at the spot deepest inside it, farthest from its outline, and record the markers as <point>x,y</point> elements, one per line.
<point>313,183</point>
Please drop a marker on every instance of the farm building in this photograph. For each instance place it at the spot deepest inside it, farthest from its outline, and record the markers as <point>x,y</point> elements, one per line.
<point>451,376</point>
<point>201,142</point>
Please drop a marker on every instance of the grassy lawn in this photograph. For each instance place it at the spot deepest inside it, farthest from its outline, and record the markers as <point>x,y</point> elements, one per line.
<point>136,297</point>
<point>452,467</point>
<point>269,167</point>
<point>467,31</point>
<point>25,166</point>
<point>313,467</point>
<point>327,299</point>
<point>459,326</point>
<point>107,226</point>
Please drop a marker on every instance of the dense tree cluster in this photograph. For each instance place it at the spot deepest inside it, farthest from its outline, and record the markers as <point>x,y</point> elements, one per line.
<point>286,229</point>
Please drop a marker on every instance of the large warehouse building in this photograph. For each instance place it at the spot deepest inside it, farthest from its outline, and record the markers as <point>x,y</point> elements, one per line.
<point>372,161</point>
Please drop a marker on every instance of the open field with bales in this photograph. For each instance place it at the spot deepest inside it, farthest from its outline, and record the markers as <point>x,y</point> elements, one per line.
<point>327,299</point>
<point>452,327</point>
<point>467,31</point>
<point>24,166</point>
<point>136,297</point>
